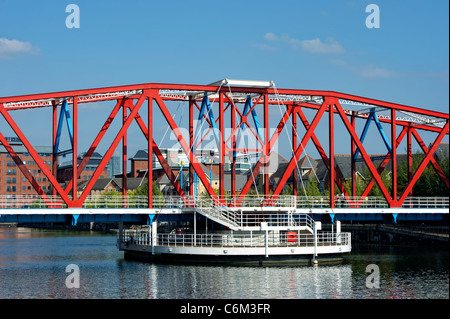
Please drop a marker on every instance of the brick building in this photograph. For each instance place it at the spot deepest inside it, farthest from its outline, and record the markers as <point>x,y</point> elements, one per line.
<point>65,171</point>
<point>12,181</point>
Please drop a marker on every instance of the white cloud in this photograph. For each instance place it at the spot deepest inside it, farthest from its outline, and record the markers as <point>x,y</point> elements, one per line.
<point>265,47</point>
<point>366,71</point>
<point>270,36</point>
<point>10,48</point>
<point>330,46</point>
<point>339,62</point>
<point>317,46</point>
<point>376,72</point>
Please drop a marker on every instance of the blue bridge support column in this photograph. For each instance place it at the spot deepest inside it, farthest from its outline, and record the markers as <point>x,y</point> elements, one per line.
<point>150,218</point>
<point>394,216</point>
<point>332,215</point>
<point>74,219</point>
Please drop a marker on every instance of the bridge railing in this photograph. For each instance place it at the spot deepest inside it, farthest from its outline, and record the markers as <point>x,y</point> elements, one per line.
<point>230,240</point>
<point>371,202</point>
<point>426,202</point>
<point>135,201</point>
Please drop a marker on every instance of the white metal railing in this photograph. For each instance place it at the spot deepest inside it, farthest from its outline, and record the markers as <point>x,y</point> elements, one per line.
<point>93,201</point>
<point>426,202</point>
<point>288,219</point>
<point>246,239</point>
<point>371,202</point>
<point>204,201</point>
<point>217,208</point>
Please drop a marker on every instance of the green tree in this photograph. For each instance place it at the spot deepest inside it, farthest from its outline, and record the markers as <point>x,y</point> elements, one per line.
<point>143,189</point>
<point>311,189</point>
<point>429,183</point>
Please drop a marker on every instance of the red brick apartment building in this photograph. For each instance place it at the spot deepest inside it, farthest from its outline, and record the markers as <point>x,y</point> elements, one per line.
<point>64,171</point>
<point>12,181</point>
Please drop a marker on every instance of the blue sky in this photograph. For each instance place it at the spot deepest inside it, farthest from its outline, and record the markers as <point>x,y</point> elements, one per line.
<point>321,45</point>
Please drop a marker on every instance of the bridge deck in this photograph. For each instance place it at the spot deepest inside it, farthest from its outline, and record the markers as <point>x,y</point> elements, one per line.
<point>135,209</point>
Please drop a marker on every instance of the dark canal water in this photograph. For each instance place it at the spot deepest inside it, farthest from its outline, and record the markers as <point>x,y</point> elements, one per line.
<point>33,265</point>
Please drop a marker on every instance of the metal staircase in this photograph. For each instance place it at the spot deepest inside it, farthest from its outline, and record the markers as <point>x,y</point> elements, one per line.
<point>234,220</point>
<point>221,215</point>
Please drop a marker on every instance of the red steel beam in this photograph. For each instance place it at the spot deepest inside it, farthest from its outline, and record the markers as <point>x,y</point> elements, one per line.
<point>266,145</point>
<point>424,162</point>
<point>96,141</point>
<point>233,147</point>
<point>332,169</point>
<point>425,127</point>
<point>221,147</point>
<point>124,151</point>
<point>34,154</point>
<point>223,89</point>
<point>339,178</point>
<point>381,167</point>
<point>166,167</point>
<point>394,156</point>
<point>75,149</point>
<point>352,155</point>
<point>409,155</point>
<point>184,145</point>
<point>433,161</point>
<point>150,152</point>
<point>293,162</point>
<point>258,164</point>
<point>191,145</point>
<point>54,133</point>
<point>111,150</point>
<point>364,155</point>
<point>294,146</point>
<point>209,88</point>
<point>170,174</point>
<point>80,96</point>
<point>244,120</point>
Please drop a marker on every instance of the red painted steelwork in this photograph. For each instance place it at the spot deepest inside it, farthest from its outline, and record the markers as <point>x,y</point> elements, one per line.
<point>263,98</point>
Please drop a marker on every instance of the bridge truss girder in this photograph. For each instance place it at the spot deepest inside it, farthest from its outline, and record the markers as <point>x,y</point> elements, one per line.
<point>326,104</point>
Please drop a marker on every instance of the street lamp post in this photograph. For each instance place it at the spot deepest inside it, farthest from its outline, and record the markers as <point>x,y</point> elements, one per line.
<point>211,153</point>
<point>181,174</point>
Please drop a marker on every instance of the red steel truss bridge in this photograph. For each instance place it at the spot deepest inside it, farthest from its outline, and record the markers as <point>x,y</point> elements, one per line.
<point>225,109</point>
